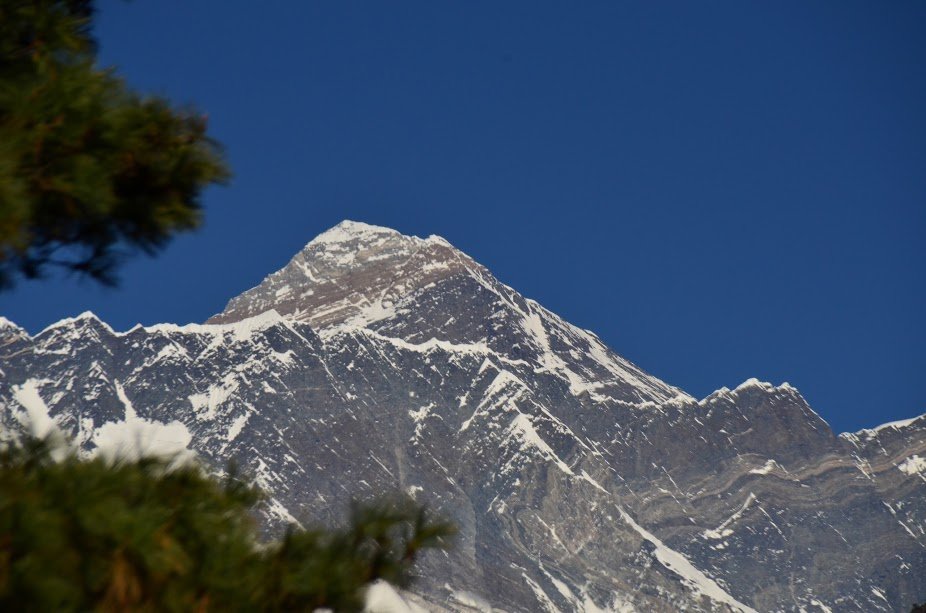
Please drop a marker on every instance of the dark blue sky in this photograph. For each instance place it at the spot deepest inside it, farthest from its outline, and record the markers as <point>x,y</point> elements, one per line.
<point>720,190</point>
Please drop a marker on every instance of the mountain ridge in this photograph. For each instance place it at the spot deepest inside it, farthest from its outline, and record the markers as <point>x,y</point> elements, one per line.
<point>271,316</point>
<point>579,481</point>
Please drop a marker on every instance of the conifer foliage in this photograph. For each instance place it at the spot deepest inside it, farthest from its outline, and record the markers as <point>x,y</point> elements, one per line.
<point>79,534</point>
<point>90,170</point>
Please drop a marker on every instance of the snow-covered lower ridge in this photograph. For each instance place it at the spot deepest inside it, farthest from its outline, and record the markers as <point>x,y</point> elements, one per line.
<point>245,328</point>
<point>899,425</point>
<point>86,316</point>
<point>747,385</point>
<point>241,329</point>
<point>620,371</point>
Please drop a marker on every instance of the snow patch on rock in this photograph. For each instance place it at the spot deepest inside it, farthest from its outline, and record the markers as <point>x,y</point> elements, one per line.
<point>913,465</point>
<point>383,598</point>
<point>35,415</point>
<point>136,436</point>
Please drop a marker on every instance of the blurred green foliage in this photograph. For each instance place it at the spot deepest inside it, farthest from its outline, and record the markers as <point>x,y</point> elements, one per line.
<point>79,534</point>
<point>90,170</point>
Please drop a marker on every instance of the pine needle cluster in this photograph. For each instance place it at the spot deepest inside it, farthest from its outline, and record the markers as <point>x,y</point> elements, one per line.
<point>90,170</point>
<point>97,534</point>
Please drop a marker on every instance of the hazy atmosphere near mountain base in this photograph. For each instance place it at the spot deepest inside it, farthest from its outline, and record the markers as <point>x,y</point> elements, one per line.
<point>719,191</point>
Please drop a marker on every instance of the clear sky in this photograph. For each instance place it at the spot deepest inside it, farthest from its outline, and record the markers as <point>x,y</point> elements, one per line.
<point>720,190</point>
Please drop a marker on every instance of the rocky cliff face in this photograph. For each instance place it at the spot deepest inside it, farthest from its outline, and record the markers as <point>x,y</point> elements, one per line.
<point>579,482</point>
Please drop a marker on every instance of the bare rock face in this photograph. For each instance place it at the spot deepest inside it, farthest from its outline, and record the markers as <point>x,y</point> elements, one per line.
<point>376,361</point>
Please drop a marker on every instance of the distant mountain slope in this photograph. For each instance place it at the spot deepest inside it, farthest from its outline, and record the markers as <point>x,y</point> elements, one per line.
<point>375,360</point>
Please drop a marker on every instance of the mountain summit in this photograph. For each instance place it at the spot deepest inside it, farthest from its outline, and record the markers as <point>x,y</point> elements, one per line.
<point>361,277</point>
<point>374,361</point>
<point>353,273</point>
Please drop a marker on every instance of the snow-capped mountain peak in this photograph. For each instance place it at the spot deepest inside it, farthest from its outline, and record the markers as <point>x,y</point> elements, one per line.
<point>413,290</point>
<point>353,271</point>
<point>376,361</point>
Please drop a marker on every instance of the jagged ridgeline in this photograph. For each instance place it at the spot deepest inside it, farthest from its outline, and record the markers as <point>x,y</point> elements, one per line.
<point>374,361</point>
